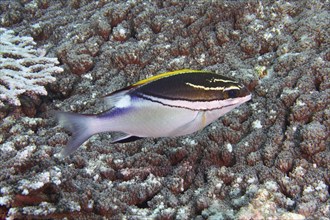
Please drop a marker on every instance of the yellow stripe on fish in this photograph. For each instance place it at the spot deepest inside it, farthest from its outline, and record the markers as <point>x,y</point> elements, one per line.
<point>166,105</point>
<point>163,75</point>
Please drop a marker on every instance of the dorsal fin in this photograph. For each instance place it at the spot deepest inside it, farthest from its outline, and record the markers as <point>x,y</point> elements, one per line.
<point>166,74</point>
<point>111,99</point>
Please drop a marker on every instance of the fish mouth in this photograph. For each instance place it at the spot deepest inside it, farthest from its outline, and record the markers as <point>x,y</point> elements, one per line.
<point>247,98</point>
<point>237,101</point>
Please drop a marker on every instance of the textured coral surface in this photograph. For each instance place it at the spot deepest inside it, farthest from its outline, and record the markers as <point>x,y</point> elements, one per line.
<point>267,159</point>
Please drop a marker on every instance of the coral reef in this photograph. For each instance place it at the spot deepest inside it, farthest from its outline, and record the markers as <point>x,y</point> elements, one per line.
<point>269,158</point>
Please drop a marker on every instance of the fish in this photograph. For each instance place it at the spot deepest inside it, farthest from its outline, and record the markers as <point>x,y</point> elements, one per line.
<point>170,104</point>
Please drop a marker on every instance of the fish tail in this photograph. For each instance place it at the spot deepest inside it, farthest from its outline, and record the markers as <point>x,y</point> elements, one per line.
<point>79,126</point>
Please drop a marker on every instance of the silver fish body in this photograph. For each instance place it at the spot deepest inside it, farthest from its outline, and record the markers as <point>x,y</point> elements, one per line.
<point>167,105</point>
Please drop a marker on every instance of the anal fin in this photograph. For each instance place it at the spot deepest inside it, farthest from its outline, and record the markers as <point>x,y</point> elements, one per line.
<point>124,138</point>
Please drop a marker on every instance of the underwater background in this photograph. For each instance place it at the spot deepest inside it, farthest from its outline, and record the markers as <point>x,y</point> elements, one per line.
<point>267,159</point>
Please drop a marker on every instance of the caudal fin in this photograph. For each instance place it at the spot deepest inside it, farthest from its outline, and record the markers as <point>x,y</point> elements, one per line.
<point>78,125</point>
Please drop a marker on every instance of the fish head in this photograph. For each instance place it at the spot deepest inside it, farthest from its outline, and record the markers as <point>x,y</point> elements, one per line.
<point>200,90</point>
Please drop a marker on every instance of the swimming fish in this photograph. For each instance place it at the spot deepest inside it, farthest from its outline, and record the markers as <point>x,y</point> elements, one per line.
<point>166,105</point>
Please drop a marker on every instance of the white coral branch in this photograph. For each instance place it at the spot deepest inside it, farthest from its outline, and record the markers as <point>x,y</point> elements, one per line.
<point>22,69</point>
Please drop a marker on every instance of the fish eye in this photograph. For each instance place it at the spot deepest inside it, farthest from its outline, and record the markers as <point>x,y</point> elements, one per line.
<point>232,93</point>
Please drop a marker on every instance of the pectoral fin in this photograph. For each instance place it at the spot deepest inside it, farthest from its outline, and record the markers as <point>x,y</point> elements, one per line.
<point>195,124</point>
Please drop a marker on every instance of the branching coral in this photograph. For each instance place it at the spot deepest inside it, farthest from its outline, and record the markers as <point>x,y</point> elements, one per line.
<point>23,69</point>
